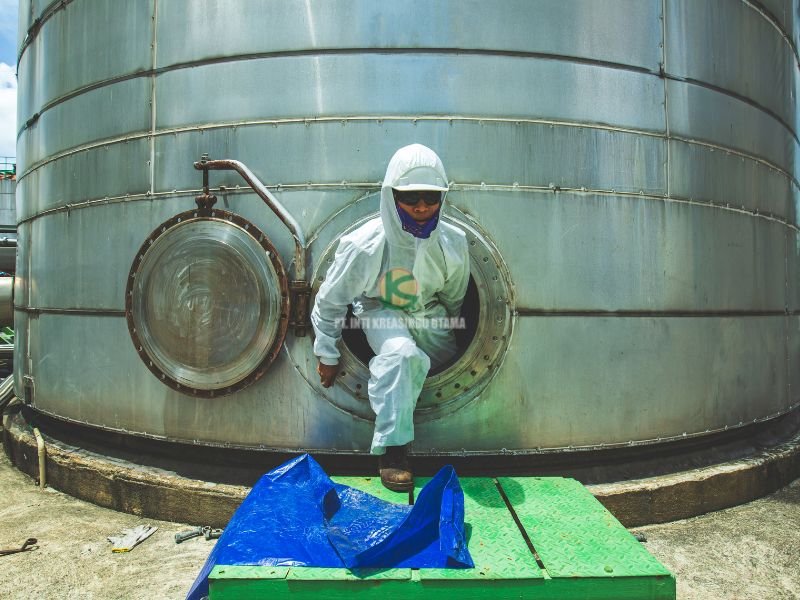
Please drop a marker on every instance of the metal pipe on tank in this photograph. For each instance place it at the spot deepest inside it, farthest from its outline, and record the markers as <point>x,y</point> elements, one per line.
<point>41,451</point>
<point>271,201</point>
<point>6,300</point>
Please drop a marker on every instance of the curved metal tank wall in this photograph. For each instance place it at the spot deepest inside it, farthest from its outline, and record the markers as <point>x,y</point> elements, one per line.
<point>8,223</point>
<point>8,209</point>
<point>634,165</point>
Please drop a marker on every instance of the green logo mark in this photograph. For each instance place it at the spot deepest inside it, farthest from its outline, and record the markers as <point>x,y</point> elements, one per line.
<point>398,289</point>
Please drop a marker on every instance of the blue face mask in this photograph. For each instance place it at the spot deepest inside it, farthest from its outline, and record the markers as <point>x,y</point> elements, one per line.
<point>422,231</point>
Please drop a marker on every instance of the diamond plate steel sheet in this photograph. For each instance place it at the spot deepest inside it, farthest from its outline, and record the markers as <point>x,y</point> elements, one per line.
<point>504,565</point>
<point>497,547</point>
<point>333,574</point>
<point>574,535</point>
<point>244,572</point>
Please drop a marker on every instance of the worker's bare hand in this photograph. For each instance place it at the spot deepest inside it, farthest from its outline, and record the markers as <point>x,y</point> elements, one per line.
<point>327,374</point>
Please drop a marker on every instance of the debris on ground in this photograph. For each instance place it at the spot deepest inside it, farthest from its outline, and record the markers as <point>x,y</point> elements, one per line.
<point>127,539</point>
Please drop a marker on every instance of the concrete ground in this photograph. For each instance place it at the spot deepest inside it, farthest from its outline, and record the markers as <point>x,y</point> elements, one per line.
<point>750,551</point>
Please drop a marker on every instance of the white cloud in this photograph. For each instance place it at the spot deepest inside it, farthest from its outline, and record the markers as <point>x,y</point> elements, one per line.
<point>8,110</point>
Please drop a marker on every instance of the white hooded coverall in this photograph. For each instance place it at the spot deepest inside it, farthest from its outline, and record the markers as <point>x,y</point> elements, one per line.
<point>407,337</point>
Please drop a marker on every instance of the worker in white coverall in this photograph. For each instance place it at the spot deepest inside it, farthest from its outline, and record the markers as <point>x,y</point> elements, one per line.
<point>405,274</point>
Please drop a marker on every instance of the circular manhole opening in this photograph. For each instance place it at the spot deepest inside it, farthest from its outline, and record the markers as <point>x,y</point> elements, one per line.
<point>207,303</point>
<point>488,321</point>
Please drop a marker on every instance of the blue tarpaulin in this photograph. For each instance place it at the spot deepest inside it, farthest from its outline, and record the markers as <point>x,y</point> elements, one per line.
<point>296,515</point>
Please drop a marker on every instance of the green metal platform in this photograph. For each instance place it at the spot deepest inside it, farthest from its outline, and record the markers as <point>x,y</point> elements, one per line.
<point>558,542</point>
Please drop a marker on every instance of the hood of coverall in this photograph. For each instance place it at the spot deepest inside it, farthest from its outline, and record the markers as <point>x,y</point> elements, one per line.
<point>414,167</point>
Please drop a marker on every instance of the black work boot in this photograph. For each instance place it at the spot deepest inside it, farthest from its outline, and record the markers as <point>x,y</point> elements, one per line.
<point>394,469</point>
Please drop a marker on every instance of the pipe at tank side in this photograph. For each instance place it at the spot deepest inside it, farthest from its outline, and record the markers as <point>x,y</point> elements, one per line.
<point>7,301</point>
<point>42,452</point>
<point>271,201</point>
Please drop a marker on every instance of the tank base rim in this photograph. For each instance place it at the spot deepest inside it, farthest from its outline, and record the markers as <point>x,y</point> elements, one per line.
<point>177,484</point>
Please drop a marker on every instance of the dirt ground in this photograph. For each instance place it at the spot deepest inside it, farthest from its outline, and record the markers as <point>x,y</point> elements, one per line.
<point>746,552</point>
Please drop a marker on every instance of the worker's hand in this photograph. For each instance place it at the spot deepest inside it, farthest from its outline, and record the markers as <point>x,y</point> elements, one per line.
<point>327,374</point>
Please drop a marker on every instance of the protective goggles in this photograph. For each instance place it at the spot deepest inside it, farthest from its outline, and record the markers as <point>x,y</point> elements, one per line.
<point>412,198</point>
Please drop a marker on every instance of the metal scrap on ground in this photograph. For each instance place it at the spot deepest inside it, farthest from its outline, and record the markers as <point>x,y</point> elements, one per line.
<point>127,539</point>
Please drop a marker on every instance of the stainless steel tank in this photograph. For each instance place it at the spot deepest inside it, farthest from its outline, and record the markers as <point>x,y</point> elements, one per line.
<point>8,246</point>
<point>8,209</point>
<point>8,216</point>
<point>626,172</point>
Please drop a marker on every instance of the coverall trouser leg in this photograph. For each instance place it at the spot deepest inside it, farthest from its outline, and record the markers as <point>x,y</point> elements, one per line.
<point>403,357</point>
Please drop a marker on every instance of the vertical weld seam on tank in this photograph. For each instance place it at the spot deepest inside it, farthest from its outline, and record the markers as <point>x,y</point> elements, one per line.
<point>667,172</point>
<point>154,57</point>
<point>787,347</point>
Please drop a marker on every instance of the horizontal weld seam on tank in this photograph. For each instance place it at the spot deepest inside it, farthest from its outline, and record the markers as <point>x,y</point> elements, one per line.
<point>95,312</point>
<point>413,118</point>
<point>179,193</point>
<point>332,52</point>
<point>96,202</point>
<point>766,14</point>
<point>83,148</point>
<point>599,192</point>
<point>36,26</point>
<point>370,186</point>
<point>347,51</point>
<point>340,119</point>
<point>399,118</point>
<point>185,129</point>
<point>460,51</point>
<point>536,312</point>
<point>79,92</point>
<point>709,204</point>
<point>737,96</point>
<point>308,120</point>
<point>739,153</point>
<point>56,5</point>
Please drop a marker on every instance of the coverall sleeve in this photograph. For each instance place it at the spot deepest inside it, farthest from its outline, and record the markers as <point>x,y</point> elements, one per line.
<point>455,287</point>
<point>344,281</point>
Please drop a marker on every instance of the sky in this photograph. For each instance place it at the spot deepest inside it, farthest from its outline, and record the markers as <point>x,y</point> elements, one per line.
<point>8,79</point>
